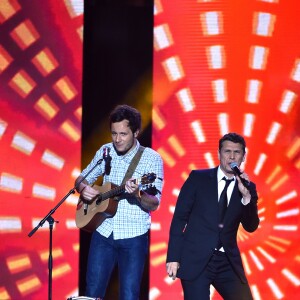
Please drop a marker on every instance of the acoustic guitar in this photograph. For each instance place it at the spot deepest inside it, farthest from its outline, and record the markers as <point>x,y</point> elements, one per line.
<point>90,214</point>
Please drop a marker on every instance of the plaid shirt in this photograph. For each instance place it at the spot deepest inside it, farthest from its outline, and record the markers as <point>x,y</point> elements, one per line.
<point>131,219</point>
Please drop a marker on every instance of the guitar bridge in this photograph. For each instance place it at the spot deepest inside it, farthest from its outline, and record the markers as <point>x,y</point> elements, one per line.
<point>85,208</point>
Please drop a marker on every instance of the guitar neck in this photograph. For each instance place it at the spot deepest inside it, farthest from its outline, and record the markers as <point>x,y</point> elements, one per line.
<point>113,192</point>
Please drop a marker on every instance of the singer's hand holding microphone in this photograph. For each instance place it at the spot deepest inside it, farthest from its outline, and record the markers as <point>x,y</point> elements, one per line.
<point>243,179</point>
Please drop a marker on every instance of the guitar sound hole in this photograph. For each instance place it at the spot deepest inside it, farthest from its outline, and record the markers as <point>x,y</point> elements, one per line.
<point>99,199</point>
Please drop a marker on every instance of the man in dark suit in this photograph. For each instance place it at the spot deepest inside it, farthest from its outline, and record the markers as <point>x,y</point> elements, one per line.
<point>202,248</point>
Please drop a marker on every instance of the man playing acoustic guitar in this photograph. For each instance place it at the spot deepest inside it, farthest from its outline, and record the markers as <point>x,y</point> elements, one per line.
<point>121,215</point>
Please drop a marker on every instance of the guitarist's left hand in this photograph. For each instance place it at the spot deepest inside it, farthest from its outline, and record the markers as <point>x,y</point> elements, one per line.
<point>132,188</point>
<point>147,201</point>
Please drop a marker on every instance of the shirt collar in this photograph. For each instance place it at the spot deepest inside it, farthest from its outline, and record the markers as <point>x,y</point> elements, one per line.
<point>132,152</point>
<point>221,174</point>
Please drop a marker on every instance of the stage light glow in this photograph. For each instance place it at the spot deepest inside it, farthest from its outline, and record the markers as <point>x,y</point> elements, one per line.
<point>40,142</point>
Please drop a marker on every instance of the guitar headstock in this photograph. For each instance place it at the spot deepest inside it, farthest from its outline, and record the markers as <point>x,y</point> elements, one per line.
<point>145,184</point>
<point>147,178</point>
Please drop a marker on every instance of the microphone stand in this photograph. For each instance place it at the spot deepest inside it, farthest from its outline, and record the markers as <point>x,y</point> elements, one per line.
<point>51,221</point>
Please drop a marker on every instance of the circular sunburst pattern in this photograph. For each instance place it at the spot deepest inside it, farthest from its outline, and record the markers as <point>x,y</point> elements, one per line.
<point>40,141</point>
<point>224,66</point>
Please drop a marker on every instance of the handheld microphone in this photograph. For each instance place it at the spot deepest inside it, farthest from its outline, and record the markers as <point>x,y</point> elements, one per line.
<point>234,167</point>
<point>107,158</point>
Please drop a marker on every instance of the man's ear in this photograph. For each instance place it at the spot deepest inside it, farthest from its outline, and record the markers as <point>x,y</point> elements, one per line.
<point>136,134</point>
<point>218,154</point>
<point>244,157</point>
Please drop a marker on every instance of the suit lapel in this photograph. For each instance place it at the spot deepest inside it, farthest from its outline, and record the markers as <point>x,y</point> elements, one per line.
<point>214,184</point>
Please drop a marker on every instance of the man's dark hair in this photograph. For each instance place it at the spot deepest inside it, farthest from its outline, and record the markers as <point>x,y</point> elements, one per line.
<point>233,137</point>
<point>129,113</point>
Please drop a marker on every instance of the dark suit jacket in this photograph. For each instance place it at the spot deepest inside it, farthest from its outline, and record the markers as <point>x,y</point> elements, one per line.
<point>194,229</point>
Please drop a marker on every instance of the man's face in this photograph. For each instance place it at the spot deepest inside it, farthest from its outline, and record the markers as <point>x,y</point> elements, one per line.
<point>122,137</point>
<point>230,152</point>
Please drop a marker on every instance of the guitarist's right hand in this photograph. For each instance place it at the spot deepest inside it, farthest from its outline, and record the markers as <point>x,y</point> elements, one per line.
<point>88,192</point>
<point>85,190</point>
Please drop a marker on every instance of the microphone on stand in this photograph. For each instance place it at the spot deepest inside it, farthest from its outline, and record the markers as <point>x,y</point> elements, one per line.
<point>234,167</point>
<point>107,158</point>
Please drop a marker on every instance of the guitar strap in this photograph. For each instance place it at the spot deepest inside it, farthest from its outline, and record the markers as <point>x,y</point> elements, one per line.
<point>133,164</point>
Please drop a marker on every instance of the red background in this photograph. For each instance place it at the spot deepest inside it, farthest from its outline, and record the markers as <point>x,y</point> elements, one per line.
<point>271,254</point>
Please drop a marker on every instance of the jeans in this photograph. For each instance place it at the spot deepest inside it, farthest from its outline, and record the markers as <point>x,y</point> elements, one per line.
<point>105,253</point>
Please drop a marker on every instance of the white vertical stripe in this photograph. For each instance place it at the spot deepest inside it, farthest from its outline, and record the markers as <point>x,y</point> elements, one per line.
<point>261,161</point>
<point>198,131</point>
<point>253,91</point>
<point>219,87</point>
<point>216,57</point>
<point>212,23</point>
<point>248,124</point>
<point>287,101</point>
<point>263,24</point>
<point>275,128</point>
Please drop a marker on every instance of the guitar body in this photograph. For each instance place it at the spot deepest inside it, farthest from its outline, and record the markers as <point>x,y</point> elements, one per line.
<point>90,214</point>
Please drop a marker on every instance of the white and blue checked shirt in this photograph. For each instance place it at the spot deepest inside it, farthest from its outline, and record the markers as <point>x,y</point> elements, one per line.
<point>131,219</point>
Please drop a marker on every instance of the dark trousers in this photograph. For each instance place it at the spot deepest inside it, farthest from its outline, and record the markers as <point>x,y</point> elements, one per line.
<point>129,254</point>
<point>221,275</point>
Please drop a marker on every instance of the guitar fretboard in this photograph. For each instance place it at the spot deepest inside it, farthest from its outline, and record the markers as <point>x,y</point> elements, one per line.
<point>112,193</point>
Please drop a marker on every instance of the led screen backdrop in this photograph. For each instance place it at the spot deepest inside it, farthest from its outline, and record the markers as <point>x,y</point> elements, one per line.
<point>40,141</point>
<point>222,66</point>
